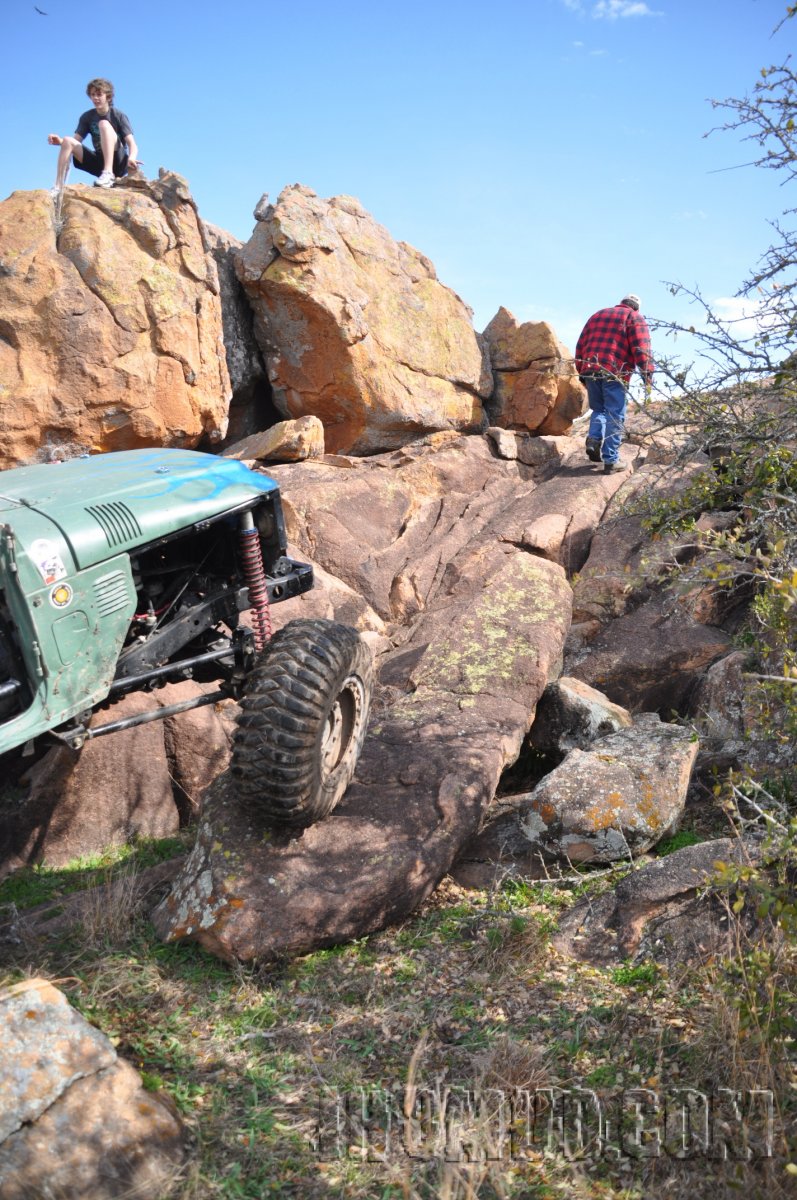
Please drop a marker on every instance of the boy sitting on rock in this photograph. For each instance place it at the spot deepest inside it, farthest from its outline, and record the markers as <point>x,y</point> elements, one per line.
<point>115,151</point>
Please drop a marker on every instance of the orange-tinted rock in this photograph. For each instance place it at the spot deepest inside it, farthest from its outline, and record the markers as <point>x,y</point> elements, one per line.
<point>356,328</point>
<point>615,799</point>
<point>536,385</point>
<point>110,327</point>
<point>287,441</point>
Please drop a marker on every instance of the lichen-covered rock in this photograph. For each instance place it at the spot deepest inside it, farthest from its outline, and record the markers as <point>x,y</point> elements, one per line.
<point>356,328</point>
<point>606,803</point>
<point>75,1119</point>
<point>476,624</point>
<point>616,799</point>
<point>111,324</point>
<point>431,762</point>
<point>536,384</point>
<point>429,539</point>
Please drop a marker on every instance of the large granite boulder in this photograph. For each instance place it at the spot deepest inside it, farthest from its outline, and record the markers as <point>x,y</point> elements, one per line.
<point>615,799</point>
<point>110,323</point>
<point>536,384</point>
<point>356,328</point>
<point>75,1119</point>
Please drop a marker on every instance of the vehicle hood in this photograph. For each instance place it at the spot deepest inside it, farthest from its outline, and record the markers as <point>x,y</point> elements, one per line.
<point>108,503</point>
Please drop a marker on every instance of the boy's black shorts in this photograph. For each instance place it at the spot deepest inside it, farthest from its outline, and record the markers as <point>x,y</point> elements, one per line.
<point>92,161</point>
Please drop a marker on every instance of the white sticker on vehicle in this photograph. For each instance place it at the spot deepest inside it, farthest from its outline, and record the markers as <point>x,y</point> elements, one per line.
<point>47,559</point>
<point>61,596</point>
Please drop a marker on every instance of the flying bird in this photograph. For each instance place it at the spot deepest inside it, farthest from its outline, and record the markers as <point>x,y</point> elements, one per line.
<point>39,11</point>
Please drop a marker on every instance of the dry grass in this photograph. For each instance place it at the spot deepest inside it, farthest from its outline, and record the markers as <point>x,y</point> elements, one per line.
<point>271,1067</point>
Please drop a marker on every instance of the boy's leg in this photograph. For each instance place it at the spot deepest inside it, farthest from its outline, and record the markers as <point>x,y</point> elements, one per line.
<point>113,156</point>
<point>108,140</point>
<point>615,399</point>
<point>70,148</point>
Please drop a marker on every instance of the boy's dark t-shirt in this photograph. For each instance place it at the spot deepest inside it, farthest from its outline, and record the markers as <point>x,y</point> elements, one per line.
<point>89,123</point>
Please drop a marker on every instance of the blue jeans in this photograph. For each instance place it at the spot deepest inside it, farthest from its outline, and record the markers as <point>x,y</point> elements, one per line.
<point>607,400</point>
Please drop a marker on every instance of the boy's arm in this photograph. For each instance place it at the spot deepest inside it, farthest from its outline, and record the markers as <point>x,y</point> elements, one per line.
<point>132,151</point>
<point>55,139</point>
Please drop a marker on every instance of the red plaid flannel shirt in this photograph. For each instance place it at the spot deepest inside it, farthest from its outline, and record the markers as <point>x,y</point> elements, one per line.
<point>615,341</point>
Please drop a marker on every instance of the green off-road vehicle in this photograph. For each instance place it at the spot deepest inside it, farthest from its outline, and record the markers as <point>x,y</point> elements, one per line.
<point>124,571</point>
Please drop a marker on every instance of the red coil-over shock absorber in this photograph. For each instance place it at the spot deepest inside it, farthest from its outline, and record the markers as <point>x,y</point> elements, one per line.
<point>255,576</point>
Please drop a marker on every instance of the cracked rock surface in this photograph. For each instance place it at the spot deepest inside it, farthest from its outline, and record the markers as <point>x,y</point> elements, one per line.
<point>110,322</point>
<point>470,624</point>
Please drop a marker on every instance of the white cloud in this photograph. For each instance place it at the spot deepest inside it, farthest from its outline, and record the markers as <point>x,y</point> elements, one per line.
<point>746,317</point>
<point>612,10</point>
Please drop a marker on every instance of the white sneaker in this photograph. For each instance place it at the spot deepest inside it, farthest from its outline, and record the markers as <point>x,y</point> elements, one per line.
<point>55,192</point>
<point>105,180</point>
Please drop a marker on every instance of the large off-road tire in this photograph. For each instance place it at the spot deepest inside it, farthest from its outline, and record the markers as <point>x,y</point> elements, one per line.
<point>303,716</point>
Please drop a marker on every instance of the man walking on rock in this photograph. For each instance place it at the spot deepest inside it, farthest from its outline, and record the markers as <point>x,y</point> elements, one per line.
<point>115,151</point>
<point>613,343</point>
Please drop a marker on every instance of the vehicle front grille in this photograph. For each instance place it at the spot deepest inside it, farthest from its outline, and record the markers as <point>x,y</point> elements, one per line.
<point>117,522</point>
<point>110,593</point>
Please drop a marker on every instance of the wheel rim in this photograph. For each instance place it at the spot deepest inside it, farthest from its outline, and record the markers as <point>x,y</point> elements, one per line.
<point>342,724</point>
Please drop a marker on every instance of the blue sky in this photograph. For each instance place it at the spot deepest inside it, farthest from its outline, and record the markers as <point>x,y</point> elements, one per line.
<point>546,155</point>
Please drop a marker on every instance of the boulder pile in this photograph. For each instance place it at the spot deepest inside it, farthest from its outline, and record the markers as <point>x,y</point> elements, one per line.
<point>432,477</point>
